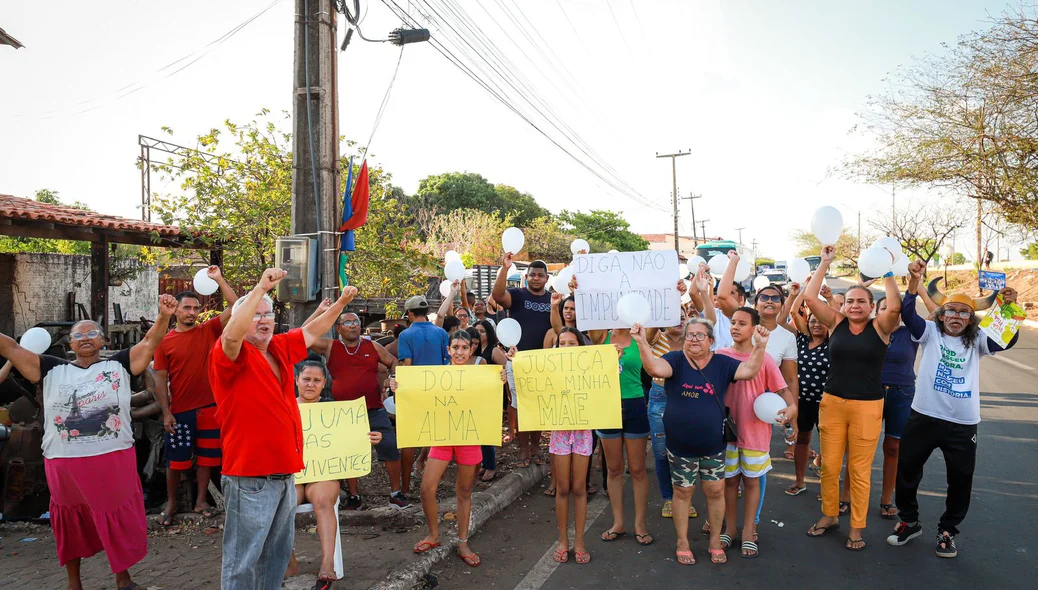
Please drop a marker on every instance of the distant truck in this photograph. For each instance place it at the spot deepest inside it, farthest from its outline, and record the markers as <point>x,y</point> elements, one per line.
<point>780,265</point>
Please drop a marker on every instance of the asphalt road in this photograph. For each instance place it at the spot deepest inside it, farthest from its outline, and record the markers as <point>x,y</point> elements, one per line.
<point>996,548</point>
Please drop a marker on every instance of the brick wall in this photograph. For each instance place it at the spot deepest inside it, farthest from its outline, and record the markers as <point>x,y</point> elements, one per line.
<point>34,288</point>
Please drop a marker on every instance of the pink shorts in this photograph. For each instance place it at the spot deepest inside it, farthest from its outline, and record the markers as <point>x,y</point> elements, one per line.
<point>571,442</point>
<point>466,454</point>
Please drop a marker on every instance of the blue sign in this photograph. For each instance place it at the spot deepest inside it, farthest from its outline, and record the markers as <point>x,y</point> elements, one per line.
<point>992,281</point>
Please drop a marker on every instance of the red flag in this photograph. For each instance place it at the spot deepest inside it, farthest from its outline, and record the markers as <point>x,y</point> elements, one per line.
<point>359,201</point>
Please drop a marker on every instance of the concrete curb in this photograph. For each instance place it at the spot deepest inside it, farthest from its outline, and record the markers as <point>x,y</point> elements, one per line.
<point>485,504</point>
<point>1031,324</point>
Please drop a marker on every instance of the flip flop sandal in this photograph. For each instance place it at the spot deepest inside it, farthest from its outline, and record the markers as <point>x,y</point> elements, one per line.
<point>132,586</point>
<point>425,546</point>
<point>323,584</point>
<point>844,507</point>
<point>813,531</point>
<point>550,492</point>
<point>718,556</point>
<point>645,536</point>
<point>472,560</point>
<point>592,490</point>
<point>539,460</point>
<point>853,544</point>
<point>795,490</point>
<point>582,557</point>
<point>706,528</point>
<point>726,542</point>
<point>685,557</point>
<point>165,520</point>
<point>561,555</point>
<point>886,514</point>
<point>749,546</point>
<point>483,478</point>
<point>610,536</point>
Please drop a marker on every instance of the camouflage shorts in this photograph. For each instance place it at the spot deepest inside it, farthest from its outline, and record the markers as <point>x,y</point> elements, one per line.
<point>686,472</point>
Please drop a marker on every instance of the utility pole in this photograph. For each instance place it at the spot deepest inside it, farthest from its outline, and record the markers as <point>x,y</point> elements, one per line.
<point>893,210</point>
<point>702,225</point>
<point>674,194</point>
<point>315,140</point>
<point>739,229</point>
<point>859,233</point>
<point>692,201</point>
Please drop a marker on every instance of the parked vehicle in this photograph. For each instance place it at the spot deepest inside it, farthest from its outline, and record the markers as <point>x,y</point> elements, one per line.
<point>778,277</point>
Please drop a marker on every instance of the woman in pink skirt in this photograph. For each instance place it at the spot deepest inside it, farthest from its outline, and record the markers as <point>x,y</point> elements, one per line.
<point>95,493</point>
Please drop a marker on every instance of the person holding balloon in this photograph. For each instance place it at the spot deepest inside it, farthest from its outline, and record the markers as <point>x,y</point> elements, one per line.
<point>851,411</point>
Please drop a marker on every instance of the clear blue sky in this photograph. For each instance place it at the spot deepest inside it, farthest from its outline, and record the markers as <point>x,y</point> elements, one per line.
<point>762,92</point>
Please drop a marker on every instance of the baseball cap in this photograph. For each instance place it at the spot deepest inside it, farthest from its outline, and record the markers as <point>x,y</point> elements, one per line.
<point>416,303</point>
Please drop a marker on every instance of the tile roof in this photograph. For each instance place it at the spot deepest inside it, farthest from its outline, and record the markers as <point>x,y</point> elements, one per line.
<point>28,209</point>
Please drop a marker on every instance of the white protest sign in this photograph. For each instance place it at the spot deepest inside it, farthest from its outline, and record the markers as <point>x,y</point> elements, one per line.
<point>602,279</point>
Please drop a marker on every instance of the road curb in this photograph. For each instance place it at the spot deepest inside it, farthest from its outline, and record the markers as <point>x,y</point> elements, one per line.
<point>485,504</point>
<point>1031,324</point>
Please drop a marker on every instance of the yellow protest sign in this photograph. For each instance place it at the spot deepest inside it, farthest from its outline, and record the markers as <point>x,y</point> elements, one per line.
<point>335,441</point>
<point>573,388</point>
<point>448,405</point>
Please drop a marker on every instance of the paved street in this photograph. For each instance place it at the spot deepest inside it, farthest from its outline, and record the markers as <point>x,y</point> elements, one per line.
<point>996,546</point>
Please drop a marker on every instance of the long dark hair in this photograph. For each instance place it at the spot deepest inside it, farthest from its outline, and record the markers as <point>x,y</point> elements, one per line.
<point>488,327</point>
<point>562,306</point>
<point>969,335</point>
<point>477,344</point>
<point>570,330</point>
<point>316,361</point>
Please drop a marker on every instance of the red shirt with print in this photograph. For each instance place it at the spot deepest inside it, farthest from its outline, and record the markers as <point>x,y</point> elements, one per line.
<point>260,428</point>
<point>185,356</point>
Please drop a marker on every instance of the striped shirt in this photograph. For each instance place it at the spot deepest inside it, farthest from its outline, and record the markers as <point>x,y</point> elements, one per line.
<point>660,346</point>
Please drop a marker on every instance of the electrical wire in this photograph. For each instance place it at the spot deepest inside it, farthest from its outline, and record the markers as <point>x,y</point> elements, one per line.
<point>356,18</point>
<point>382,107</point>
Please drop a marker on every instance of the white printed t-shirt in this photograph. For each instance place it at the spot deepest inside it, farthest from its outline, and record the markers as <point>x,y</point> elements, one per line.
<point>947,385</point>
<point>86,410</point>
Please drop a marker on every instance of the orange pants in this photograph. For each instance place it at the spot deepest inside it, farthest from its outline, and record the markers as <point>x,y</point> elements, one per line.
<point>851,426</point>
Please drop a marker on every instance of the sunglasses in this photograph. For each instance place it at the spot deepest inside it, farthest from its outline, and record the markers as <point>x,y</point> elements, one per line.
<point>349,323</point>
<point>695,336</point>
<point>263,316</point>
<point>770,298</point>
<point>962,315</point>
<point>82,335</point>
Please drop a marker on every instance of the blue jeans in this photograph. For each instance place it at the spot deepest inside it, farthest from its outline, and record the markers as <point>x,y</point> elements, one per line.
<point>259,531</point>
<point>489,457</point>
<point>657,404</point>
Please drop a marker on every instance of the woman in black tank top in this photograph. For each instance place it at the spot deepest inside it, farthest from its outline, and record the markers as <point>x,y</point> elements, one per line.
<point>851,412</point>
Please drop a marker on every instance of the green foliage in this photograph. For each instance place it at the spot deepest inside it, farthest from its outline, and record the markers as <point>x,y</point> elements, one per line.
<point>958,258</point>
<point>604,230</point>
<point>762,261</point>
<point>470,232</point>
<point>847,250</point>
<point>467,190</point>
<point>545,240</point>
<point>521,206</point>
<point>1030,252</point>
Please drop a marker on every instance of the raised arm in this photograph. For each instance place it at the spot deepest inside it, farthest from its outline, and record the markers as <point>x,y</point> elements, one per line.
<point>889,320</point>
<point>501,294</point>
<point>142,352</point>
<point>26,361</point>
<point>825,314</point>
<point>749,368</point>
<point>241,319</point>
<point>655,367</point>
<point>316,329</point>
<point>556,317</point>
<point>725,301</point>
<point>5,371</point>
<point>791,307</point>
<point>596,336</point>
<point>703,284</point>
<point>447,307</point>
<point>323,346</point>
<point>930,305</point>
<point>226,290</point>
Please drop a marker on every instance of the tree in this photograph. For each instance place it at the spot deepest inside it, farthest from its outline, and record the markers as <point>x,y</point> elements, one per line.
<point>468,190</point>
<point>604,229</point>
<point>848,247</point>
<point>521,206</point>
<point>922,229</point>
<point>545,240</point>
<point>466,231</point>
<point>1030,252</point>
<point>245,202</point>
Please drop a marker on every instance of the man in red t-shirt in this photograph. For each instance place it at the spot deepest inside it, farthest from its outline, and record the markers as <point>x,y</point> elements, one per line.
<point>182,388</point>
<point>251,372</point>
<point>354,364</point>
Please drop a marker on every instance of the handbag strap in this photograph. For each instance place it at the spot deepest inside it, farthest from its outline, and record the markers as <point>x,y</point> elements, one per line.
<point>707,379</point>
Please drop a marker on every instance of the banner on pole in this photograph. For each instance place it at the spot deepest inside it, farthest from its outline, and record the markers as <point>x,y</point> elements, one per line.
<point>602,279</point>
<point>574,388</point>
<point>448,406</point>
<point>335,441</point>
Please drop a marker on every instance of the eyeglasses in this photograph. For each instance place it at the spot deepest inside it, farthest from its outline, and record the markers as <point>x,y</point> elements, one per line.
<point>263,316</point>
<point>350,323</point>
<point>82,335</point>
<point>695,336</point>
<point>951,313</point>
<point>769,298</point>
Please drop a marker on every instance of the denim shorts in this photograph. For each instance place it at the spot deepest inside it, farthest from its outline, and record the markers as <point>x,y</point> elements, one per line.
<point>897,406</point>
<point>635,413</point>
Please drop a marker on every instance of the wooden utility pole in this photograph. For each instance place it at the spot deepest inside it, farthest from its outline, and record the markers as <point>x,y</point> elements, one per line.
<point>702,225</point>
<point>315,139</point>
<point>692,201</point>
<point>674,194</point>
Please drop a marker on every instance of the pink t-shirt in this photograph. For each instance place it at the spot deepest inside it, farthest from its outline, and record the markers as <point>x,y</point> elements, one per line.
<point>754,435</point>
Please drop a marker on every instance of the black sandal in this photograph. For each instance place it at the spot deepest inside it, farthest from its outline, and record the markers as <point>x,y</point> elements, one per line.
<point>852,544</point>
<point>886,514</point>
<point>844,507</point>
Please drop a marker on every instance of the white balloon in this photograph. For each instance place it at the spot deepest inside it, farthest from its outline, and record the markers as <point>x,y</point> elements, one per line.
<point>694,262</point>
<point>875,262</point>
<point>203,284</point>
<point>827,224</point>
<point>36,340</point>
<point>509,332</point>
<point>551,283</point>
<point>767,406</point>
<point>390,405</point>
<point>445,288</point>
<point>890,245</point>
<point>798,270</point>
<point>682,271</point>
<point>760,282</point>
<point>742,271</point>
<point>562,280</point>
<point>633,308</point>
<point>718,264</point>
<point>451,255</point>
<point>454,270</point>
<point>614,252</point>
<point>900,266</point>
<point>513,240</point>
<point>578,245</point>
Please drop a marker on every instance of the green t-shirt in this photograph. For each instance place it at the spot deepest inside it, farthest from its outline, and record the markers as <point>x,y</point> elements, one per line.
<point>630,371</point>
